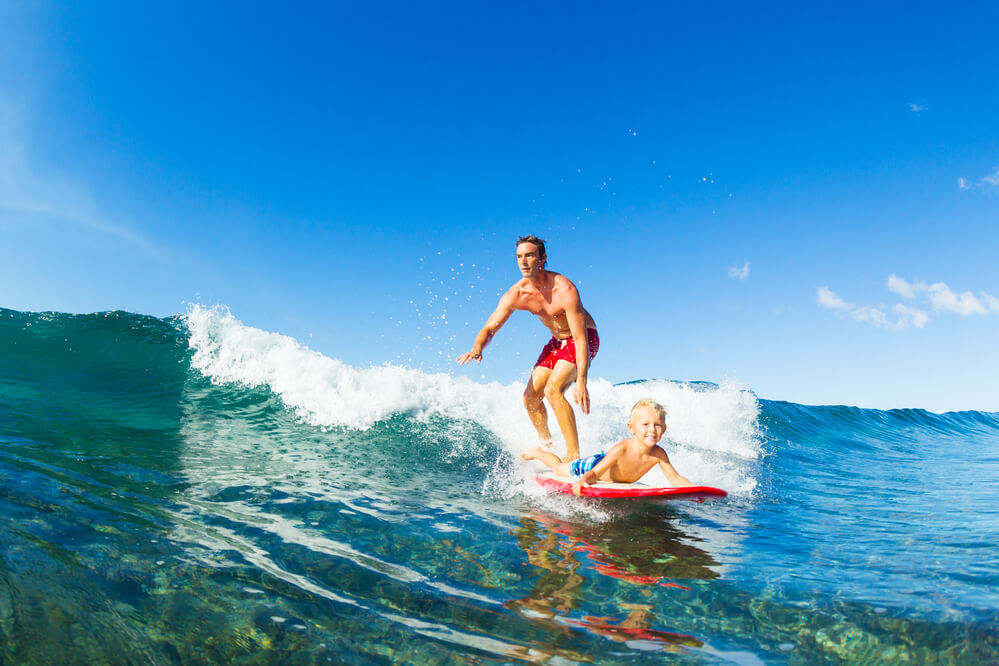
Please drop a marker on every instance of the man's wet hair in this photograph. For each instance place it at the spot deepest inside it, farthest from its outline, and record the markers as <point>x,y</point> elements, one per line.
<point>531,238</point>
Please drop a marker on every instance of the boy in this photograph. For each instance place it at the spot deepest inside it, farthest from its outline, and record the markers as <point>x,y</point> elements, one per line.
<point>628,460</point>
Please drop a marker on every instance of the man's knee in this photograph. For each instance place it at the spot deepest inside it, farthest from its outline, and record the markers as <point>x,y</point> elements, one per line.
<point>553,392</point>
<point>531,397</point>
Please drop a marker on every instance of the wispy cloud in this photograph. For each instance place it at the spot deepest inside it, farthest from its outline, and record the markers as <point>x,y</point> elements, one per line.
<point>915,107</point>
<point>27,197</point>
<point>898,318</point>
<point>941,297</point>
<point>907,316</point>
<point>901,287</point>
<point>937,297</point>
<point>872,315</point>
<point>739,273</point>
<point>990,181</point>
<point>827,298</point>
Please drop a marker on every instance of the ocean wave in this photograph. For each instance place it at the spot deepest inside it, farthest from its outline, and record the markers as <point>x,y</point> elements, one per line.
<point>191,464</point>
<point>712,430</point>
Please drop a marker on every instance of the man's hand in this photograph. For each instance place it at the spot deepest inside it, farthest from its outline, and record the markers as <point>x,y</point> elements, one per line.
<point>581,396</point>
<point>467,357</point>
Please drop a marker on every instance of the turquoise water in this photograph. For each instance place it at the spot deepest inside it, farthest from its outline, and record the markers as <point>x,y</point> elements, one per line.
<point>195,490</point>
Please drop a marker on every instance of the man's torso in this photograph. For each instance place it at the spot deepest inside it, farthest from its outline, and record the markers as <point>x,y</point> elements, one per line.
<point>549,303</point>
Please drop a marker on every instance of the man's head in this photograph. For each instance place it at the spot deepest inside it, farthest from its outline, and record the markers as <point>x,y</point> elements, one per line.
<point>531,257</point>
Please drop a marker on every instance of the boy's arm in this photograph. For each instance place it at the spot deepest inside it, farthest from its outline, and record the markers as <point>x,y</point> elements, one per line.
<point>598,470</point>
<point>674,477</point>
<point>494,324</point>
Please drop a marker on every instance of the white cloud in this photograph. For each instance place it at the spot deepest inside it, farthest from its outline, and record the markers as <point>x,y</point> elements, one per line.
<point>938,296</point>
<point>918,108</point>
<point>944,299</point>
<point>904,316</point>
<point>901,287</point>
<point>986,182</point>
<point>913,316</point>
<point>868,314</point>
<point>739,273</point>
<point>827,299</point>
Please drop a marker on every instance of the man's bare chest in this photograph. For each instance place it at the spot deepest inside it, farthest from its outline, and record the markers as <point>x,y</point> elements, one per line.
<point>537,303</point>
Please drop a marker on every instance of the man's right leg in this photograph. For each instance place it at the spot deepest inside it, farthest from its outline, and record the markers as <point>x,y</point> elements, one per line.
<point>559,379</point>
<point>533,401</point>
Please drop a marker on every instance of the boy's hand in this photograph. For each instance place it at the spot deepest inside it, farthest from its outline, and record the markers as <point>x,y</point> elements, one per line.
<point>577,488</point>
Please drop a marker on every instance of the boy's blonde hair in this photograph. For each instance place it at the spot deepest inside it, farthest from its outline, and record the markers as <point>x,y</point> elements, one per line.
<point>650,404</point>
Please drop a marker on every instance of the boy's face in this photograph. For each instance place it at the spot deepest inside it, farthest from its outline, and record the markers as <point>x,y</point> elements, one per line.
<point>647,426</point>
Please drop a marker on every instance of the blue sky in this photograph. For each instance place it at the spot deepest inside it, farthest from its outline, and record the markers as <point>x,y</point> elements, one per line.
<point>803,199</point>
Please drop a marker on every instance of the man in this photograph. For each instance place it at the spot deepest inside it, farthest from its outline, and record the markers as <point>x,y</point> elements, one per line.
<point>565,359</point>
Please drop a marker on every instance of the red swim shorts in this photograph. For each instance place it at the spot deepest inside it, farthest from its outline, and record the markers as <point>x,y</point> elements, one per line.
<point>557,350</point>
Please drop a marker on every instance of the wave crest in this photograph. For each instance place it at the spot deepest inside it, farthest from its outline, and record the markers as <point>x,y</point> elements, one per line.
<point>712,430</point>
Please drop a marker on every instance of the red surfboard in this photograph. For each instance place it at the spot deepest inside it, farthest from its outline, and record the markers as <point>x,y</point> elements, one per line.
<point>607,490</point>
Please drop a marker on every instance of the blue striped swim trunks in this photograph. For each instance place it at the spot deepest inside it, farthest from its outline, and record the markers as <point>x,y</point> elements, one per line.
<point>580,467</point>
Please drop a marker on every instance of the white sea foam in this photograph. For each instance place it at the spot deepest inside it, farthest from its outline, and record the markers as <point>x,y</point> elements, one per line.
<point>712,436</point>
<point>326,392</point>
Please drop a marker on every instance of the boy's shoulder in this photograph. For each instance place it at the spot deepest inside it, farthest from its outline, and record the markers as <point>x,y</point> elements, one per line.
<point>624,445</point>
<point>659,452</point>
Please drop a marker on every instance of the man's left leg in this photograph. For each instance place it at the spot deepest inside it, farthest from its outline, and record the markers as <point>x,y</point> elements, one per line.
<point>534,402</point>
<point>561,377</point>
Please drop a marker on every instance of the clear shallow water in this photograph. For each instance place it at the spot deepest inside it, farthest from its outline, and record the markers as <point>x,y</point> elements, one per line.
<point>194,490</point>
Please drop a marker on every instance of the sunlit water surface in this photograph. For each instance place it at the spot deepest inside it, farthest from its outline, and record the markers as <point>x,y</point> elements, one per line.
<point>195,490</point>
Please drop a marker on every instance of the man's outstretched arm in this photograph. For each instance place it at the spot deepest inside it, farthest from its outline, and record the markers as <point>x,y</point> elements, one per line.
<point>494,324</point>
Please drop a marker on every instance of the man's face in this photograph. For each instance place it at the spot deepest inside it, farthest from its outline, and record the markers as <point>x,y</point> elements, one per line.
<point>529,260</point>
